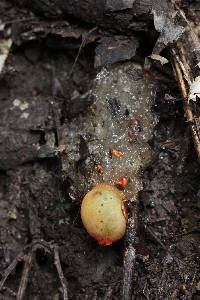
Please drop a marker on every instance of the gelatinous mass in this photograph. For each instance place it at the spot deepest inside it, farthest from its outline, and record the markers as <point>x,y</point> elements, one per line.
<point>121,118</point>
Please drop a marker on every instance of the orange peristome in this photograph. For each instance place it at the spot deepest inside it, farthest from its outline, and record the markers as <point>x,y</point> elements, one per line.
<point>103,213</point>
<point>122,181</point>
<point>124,212</point>
<point>99,168</point>
<point>116,152</point>
<point>105,242</point>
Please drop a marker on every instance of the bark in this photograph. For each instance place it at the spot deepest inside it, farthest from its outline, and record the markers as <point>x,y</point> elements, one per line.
<point>119,15</point>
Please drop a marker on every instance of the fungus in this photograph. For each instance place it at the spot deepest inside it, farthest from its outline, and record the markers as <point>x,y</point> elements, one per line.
<point>103,213</point>
<point>116,152</point>
<point>123,182</point>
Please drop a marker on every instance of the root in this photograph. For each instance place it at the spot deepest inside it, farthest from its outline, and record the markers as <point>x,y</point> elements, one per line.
<point>60,273</point>
<point>51,249</point>
<point>25,275</point>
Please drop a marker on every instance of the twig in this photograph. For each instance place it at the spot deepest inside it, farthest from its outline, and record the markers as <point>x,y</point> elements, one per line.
<point>129,263</point>
<point>187,108</point>
<point>24,278</point>
<point>83,42</point>
<point>193,35</point>
<point>150,231</point>
<point>9,22</point>
<point>60,273</point>
<point>184,70</point>
<point>9,270</point>
<point>27,256</point>
<point>185,62</point>
<point>34,246</point>
<point>129,258</point>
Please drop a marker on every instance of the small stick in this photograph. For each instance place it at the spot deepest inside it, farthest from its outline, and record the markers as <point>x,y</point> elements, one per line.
<point>183,57</point>
<point>150,231</point>
<point>37,244</point>
<point>9,270</point>
<point>60,273</point>
<point>183,68</point>
<point>10,22</point>
<point>129,258</point>
<point>187,108</point>
<point>84,40</point>
<point>24,278</point>
<point>129,263</point>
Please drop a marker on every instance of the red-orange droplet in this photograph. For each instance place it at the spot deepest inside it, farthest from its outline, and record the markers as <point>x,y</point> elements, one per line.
<point>116,152</point>
<point>122,181</point>
<point>105,242</point>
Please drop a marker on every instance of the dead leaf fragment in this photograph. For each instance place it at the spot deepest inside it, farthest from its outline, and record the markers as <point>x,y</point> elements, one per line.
<point>5,45</point>
<point>114,49</point>
<point>159,58</point>
<point>194,89</point>
<point>170,32</point>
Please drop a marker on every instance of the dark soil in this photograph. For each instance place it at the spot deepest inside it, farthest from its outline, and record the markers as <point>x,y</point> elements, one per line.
<point>34,199</point>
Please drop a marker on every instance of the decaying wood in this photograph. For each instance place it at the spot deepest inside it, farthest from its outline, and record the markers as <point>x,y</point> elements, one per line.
<point>120,15</point>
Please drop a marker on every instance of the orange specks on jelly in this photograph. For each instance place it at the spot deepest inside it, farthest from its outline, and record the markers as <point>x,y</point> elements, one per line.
<point>116,152</point>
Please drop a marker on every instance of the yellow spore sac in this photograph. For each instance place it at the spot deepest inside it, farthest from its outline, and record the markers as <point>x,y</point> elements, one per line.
<point>103,213</point>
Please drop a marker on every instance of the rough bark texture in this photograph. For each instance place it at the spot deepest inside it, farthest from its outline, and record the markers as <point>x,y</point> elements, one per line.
<point>105,13</point>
